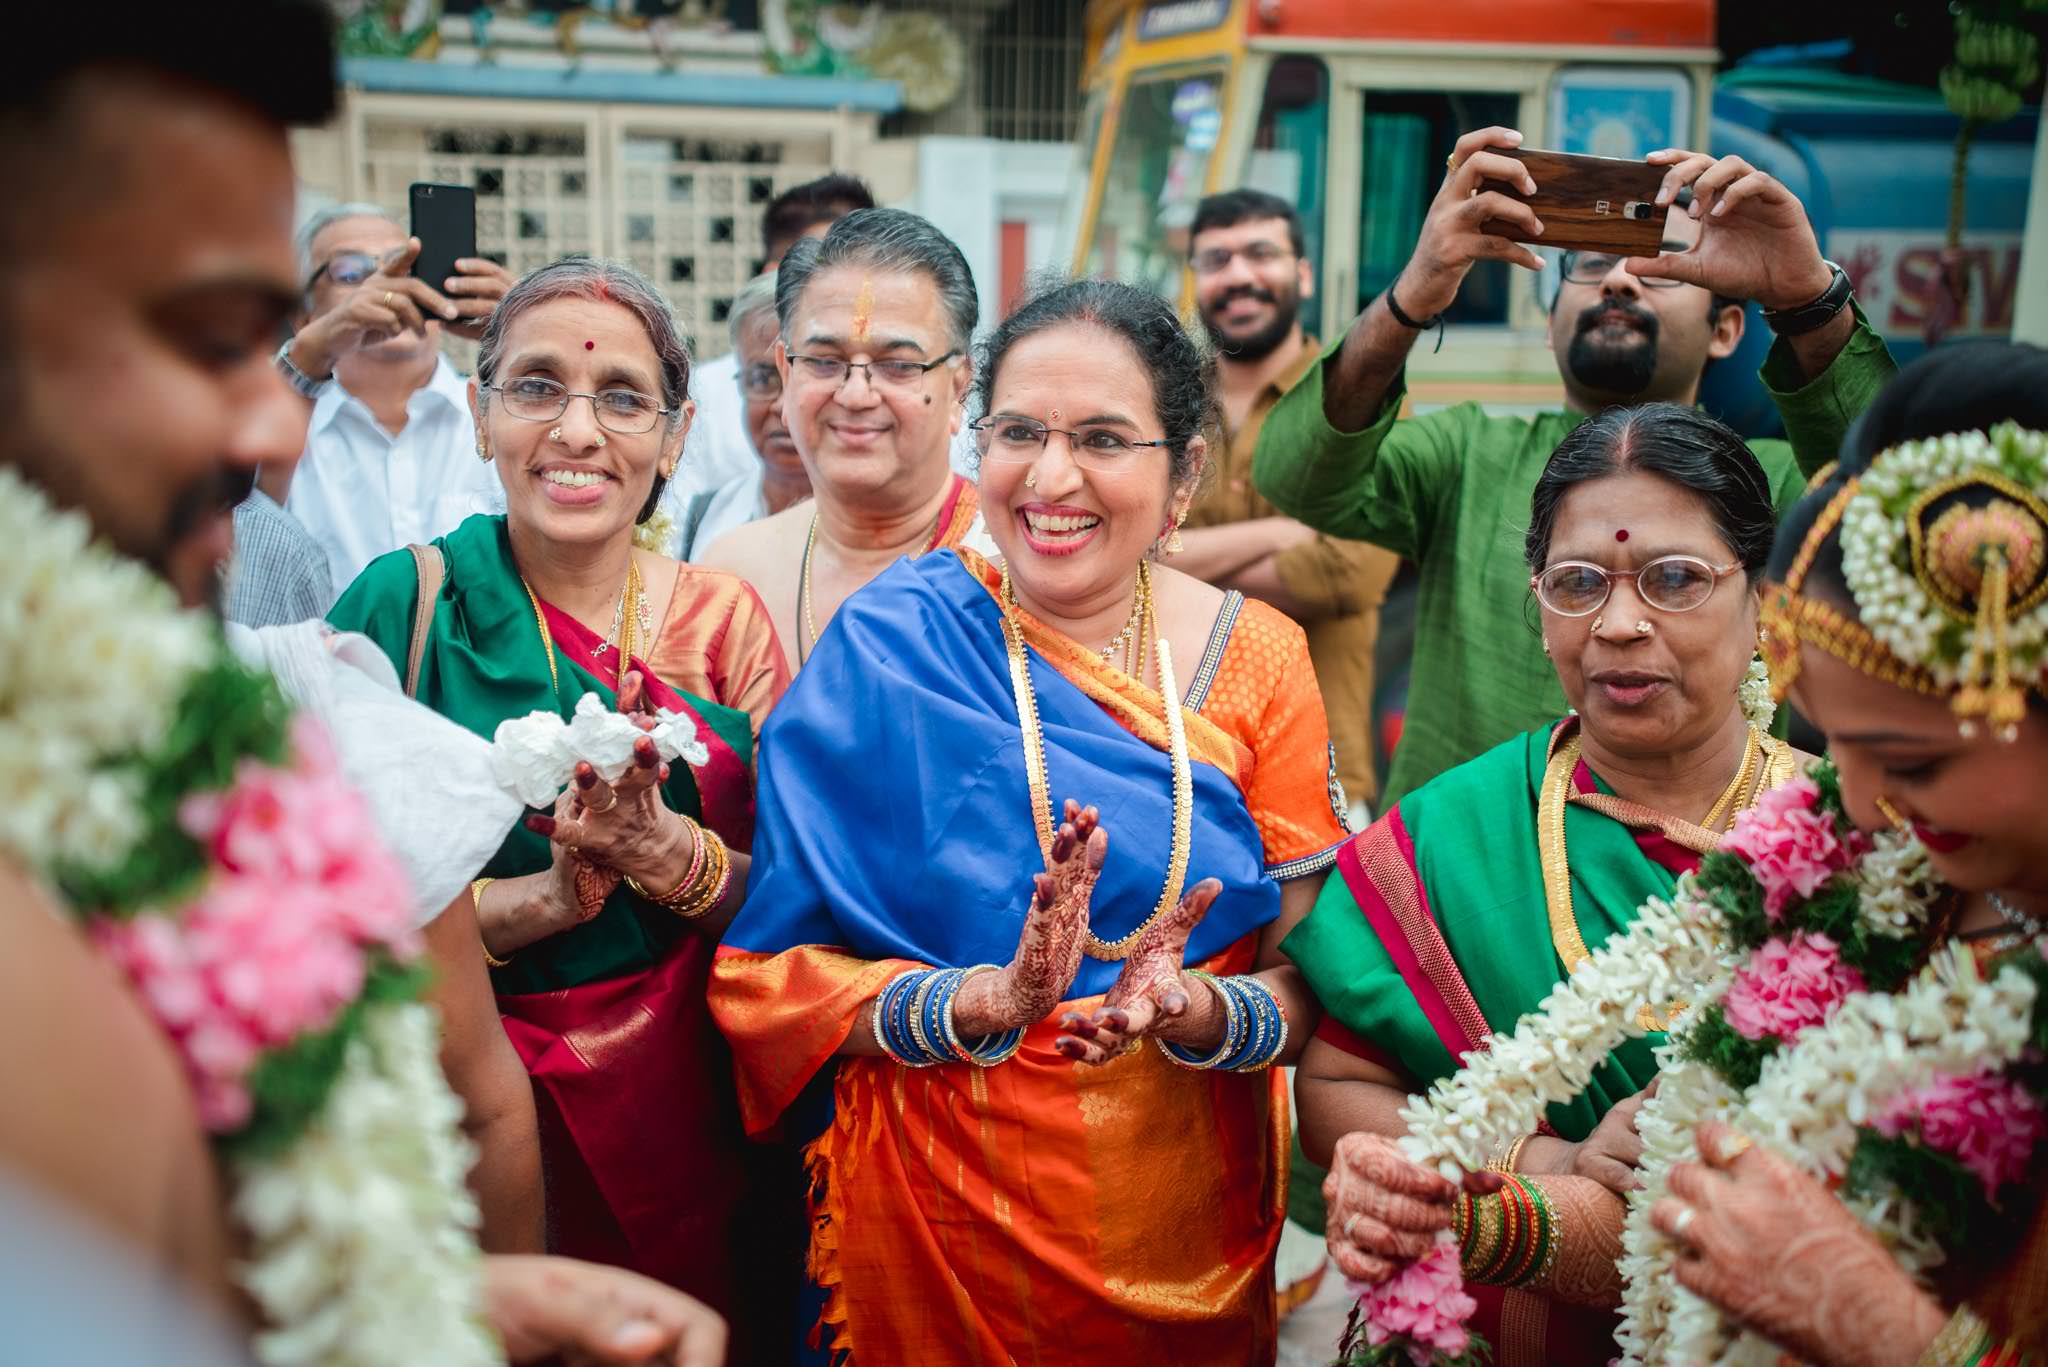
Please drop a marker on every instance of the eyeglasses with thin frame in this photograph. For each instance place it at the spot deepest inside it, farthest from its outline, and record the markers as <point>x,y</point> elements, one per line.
<point>1210,260</point>
<point>890,373</point>
<point>345,268</point>
<point>1670,583</point>
<point>761,380</point>
<point>627,412</point>
<point>1590,268</point>
<point>1008,439</point>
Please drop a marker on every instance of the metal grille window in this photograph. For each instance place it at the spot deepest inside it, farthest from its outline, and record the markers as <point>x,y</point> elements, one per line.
<point>1023,70</point>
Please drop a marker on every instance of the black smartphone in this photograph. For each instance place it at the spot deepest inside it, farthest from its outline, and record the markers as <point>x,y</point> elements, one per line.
<point>444,220</point>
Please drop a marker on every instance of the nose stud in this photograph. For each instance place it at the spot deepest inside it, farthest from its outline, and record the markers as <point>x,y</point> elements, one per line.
<point>1599,622</point>
<point>555,434</point>
<point>1031,480</point>
<point>1642,628</point>
<point>601,439</point>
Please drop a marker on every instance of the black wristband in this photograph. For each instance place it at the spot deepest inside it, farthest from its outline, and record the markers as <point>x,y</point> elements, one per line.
<point>1401,316</point>
<point>1818,314</point>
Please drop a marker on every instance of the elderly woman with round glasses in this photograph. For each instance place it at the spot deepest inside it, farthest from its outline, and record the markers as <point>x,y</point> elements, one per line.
<point>599,920</point>
<point>1458,911</point>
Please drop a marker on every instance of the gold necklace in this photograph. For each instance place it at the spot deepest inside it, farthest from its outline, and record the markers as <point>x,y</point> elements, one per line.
<point>1129,633</point>
<point>627,647</point>
<point>808,625</point>
<point>1750,747</point>
<point>1041,797</point>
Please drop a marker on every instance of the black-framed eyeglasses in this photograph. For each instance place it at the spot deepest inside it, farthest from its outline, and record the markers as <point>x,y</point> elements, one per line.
<point>1590,268</point>
<point>625,411</point>
<point>1213,259</point>
<point>1008,439</point>
<point>761,380</point>
<point>891,373</point>
<point>345,268</point>
<point>1670,583</point>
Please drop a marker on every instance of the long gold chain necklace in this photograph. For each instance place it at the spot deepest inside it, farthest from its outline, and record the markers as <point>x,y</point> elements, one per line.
<point>1034,765</point>
<point>1751,747</point>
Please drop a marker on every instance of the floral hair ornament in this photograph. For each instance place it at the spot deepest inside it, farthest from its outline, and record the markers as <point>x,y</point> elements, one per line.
<point>1945,552</point>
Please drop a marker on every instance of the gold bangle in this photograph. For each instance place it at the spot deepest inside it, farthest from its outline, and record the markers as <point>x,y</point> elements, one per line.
<point>476,900</point>
<point>1958,1342</point>
<point>1486,1230</point>
<point>703,887</point>
<point>1506,1157</point>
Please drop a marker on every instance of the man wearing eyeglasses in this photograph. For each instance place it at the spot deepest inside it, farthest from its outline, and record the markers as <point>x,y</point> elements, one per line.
<point>1251,276</point>
<point>391,455</point>
<point>1451,489</point>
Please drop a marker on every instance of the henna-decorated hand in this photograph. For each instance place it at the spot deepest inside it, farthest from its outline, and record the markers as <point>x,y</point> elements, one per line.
<point>625,825</point>
<point>1153,994</point>
<point>1024,992</point>
<point>1385,1209</point>
<point>1773,1248</point>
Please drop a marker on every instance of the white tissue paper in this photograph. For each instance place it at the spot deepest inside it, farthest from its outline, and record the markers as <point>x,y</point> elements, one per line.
<point>535,756</point>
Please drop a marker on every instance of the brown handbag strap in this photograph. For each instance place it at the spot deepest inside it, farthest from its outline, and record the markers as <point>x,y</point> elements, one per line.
<point>429,569</point>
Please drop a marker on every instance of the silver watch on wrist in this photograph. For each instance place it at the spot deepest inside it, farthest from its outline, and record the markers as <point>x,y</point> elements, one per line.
<point>298,379</point>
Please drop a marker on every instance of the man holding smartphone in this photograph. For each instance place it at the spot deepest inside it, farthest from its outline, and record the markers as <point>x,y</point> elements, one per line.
<point>1451,489</point>
<point>391,454</point>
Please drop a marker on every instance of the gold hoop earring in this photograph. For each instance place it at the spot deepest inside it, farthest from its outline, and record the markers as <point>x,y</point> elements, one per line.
<point>1889,812</point>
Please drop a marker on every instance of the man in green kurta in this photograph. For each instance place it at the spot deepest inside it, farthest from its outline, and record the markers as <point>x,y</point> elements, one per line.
<point>1450,490</point>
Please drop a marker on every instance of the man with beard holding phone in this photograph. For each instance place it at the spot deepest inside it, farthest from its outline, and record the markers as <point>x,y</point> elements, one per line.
<point>1251,276</point>
<point>1450,489</point>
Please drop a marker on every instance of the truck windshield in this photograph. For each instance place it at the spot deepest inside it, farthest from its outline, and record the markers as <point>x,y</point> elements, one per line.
<point>1165,135</point>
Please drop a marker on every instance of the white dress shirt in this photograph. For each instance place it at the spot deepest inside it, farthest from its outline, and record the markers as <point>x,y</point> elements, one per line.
<point>718,449</point>
<point>362,492</point>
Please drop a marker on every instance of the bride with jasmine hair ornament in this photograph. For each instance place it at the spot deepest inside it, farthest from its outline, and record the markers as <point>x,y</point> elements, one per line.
<point>1842,1162</point>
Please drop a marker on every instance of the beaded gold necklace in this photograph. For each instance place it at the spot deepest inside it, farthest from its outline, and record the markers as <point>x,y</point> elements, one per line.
<point>622,623</point>
<point>1034,765</point>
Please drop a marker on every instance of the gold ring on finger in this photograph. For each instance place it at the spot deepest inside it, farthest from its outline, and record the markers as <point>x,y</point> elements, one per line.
<point>1732,1146</point>
<point>1351,1220</point>
<point>1450,161</point>
<point>1683,1221</point>
<point>600,811</point>
<point>388,297</point>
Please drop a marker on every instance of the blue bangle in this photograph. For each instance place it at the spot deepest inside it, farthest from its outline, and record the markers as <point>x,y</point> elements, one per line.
<point>1234,1028</point>
<point>926,1054</point>
<point>1272,1022</point>
<point>934,1010</point>
<point>982,1051</point>
<point>885,1008</point>
<point>1259,1026</point>
<point>902,1021</point>
<point>990,1050</point>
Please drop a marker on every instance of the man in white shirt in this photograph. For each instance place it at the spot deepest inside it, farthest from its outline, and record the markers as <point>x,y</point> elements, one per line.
<point>718,451</point>
<point>391,453</point>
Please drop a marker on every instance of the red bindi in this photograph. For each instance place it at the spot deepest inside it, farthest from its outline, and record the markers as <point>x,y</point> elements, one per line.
<point>590,346</point>
<point>1621,535</point>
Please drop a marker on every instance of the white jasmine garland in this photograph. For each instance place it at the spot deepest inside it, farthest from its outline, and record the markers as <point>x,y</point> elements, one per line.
<point>1759,704</point>
<point>361,1231</point>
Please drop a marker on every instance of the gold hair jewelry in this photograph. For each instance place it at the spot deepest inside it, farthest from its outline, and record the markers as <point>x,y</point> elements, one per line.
<point>1889,812</point>
<point>554,434</point>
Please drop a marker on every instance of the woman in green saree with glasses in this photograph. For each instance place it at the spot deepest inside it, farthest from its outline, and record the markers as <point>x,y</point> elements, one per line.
<point>1460,909</point>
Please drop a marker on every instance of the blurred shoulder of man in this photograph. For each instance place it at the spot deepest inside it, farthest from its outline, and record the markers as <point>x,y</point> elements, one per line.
<point>1251,279</point>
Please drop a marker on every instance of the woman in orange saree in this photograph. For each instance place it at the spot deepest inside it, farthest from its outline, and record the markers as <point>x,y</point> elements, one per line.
<point>1088,1181</point>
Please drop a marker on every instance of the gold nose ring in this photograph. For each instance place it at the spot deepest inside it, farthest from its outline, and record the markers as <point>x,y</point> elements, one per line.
<point>555,434</point>
<point>1642,628</point>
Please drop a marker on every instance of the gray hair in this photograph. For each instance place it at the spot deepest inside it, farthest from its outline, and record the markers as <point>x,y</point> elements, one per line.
<point>755,297</point>
<point>609,282</point>
<point>310,230</point>
<point>884,240</point>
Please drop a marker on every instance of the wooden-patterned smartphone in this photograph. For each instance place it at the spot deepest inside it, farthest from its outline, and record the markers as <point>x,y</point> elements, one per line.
<point>1591,204</point>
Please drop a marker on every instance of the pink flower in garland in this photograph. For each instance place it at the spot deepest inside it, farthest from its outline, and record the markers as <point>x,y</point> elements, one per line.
<point>276,943</point>
<point>1787,986</point>
<point>1424,1304</point>
<point>1984,1120</point>
<point>1791,845</point>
